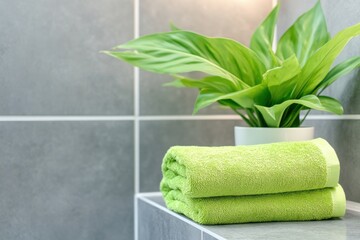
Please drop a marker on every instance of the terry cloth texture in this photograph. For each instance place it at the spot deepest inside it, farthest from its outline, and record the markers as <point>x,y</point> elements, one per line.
<point>199,172</point>
<point>293,206</point>
<point>289,181</point>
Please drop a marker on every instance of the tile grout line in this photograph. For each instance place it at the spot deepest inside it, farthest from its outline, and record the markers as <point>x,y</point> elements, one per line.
<point>69,118</point>
<point>334,117</point>
<point>137,118</point>
<point>136,124</point>
<point>136,99</point>
<point>149,194</point>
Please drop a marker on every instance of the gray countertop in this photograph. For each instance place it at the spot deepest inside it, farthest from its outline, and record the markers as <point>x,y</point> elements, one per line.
<point>346,228</point>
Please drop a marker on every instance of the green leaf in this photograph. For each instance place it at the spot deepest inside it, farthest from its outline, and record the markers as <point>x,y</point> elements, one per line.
<point>262,39</point>
<point>212,82</point>
<point>281,80</point>
<point>183,51</point>
<point>292,119</point>
<point>319,64</point>
<point>175,83</point>
<point>305,36</point>
<point>263,87</point>
<point>205,98</point>
<point>245,98</point>
<point>273,115</point>
<point>338,71</point>
<point>229,103</point>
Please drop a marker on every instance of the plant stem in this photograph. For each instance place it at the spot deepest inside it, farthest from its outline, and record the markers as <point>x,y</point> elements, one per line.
<point>262,122</point>
<point>248,121</point>
<point>306,114</point>
<point>252,117</point>
<point>293,117</point>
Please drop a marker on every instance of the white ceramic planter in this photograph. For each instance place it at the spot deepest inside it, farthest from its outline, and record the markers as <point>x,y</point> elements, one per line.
<point>256,135</point>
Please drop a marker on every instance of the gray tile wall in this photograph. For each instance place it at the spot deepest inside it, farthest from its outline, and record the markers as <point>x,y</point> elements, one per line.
<point>66,179</point>
<point>50,62</point>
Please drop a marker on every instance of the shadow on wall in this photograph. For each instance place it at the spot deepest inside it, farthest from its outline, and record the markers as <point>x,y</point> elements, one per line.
<point>352,99</point>
<point>346,140</point>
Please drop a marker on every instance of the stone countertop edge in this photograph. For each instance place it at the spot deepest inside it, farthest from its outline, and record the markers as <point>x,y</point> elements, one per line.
<point>146,197</point>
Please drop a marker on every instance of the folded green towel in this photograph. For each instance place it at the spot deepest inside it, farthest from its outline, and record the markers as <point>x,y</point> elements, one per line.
<point>250,170</point>
<point>293,206</point>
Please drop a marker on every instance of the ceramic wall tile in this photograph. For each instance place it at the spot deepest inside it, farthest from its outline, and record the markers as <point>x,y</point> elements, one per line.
<point>50,62</point>
<point>66,180</point>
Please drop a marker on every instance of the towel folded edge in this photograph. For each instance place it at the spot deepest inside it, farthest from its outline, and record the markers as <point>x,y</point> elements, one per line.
<point>337,196</point>
<point>332,162</point>
<point>339,201</point>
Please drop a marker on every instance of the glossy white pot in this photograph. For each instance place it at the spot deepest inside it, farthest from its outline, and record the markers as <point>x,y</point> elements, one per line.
<point>257,135</point>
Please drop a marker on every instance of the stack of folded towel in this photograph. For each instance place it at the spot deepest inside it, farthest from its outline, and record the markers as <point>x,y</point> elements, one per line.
<point>287,181</point>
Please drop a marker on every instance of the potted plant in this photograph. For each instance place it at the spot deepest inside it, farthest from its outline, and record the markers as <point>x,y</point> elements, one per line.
<point>267,88</point>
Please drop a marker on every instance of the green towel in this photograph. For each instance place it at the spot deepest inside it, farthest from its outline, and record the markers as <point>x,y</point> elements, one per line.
<point>293,206</point>
<point>250,170</point>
